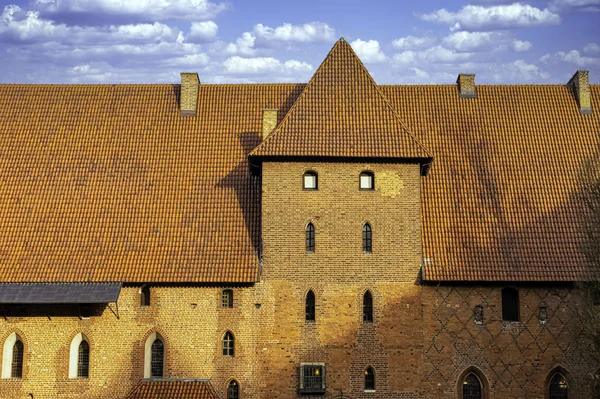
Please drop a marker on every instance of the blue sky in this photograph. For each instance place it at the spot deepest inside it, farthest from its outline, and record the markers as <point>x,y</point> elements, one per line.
<point>151,41</point>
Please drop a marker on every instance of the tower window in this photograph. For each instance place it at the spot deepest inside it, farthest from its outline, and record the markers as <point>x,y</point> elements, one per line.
<point>510,304</point>
<point>369,379</point>
<point>157,358</point>
<point>83,360</point>
<point>233,390</point>
<point>228,344</point>
<point>17,360</point>
<point>559,387</point>
<point>310,306</point>
<point>367,238</point>
<point>145,296</point>
<point>227,299</point>
<point>367,181</point>
<point>310,181</point>
<point>310,238</point>
<point>368,307</point>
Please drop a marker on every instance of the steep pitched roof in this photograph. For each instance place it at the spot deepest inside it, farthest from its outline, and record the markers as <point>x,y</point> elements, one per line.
<point>173,389</point>
<point>342,113</point>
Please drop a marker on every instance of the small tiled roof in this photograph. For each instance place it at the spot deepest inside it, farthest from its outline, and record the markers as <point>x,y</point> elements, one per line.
<point>173,389</point>
<point>342,113</point>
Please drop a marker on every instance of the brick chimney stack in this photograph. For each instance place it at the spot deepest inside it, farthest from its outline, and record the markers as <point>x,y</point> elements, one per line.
<point>188,98</point>
<point>466,85</point>
<point>269,121</point>
<point>581,85</point>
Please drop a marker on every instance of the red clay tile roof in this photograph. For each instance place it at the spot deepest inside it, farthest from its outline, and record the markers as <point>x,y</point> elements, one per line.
<point>173,389</point>
<point>342,113</point>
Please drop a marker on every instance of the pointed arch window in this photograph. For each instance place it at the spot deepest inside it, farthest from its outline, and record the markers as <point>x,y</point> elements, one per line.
<point>558,387</point>
<point>510,304</point>
<point>233,390</point>
<point>310,238</point>
<point>369,379</point>
<point>310,306</point>
<point>157,358</point>
<point>368,307</point>
<point>367,238</point>
<point>471,387</point>
<point>83,360</point>
<point>17,360</point>
<point>12,357</point>
<point>228,344</point>
<point>227,299</point>
<point>310,181</point>
<point>145,296</point>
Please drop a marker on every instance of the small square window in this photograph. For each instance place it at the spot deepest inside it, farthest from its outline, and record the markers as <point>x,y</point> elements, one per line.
<point>367,181</point>
<point>310,181</point>
<point>312,378</point>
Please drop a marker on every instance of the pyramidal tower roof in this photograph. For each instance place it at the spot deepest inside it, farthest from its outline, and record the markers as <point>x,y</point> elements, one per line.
<point>342,113</point>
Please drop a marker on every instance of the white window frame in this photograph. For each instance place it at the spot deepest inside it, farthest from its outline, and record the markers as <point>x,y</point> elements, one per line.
<point>148,354</point>
<point>7,354</point>
<point>74,354</point>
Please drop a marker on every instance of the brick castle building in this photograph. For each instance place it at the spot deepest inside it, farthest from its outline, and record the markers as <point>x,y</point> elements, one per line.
<point>335,239</point>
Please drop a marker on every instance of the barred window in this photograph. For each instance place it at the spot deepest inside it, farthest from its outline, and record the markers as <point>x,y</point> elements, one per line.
<point>310,181</point>
<point>559,387</point>
<point>228,344</point>
<point>310,238</point>
<point>17,360</point>
<point>367,238</point>
<point>310,306</point>
<point>368,307</point>
<point>367,181</point>
<point>312,378</point>
<point>510,304</point>
<point>369,379</point>
<point>227,299</point>
<point>157,358</point>
<point>233,390</point>
<point>83,360</point>
<point>471,387</point>
<point>145,296</point>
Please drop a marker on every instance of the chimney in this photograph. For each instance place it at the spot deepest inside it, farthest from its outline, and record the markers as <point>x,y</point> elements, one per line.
<point>269,121</point>
<point>581,85</point>
<point>466,85</point>
<point>188,97</point>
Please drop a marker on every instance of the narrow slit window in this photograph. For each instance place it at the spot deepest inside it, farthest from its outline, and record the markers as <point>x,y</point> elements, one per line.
<point>310,306</point>
<point>145,296</point>
<point>367,181</point>
<point>233,390</point>
<point>310,238</point>
<point>157,359</point>
<point>227,299</point>
<point>369,379</point>
<point>17,360</point>
<point>83,360</point>
<point>310,181</point>
<point>367,238</point>
<point>228,344</point>
<point>510,304</point>
<point>368,307</point>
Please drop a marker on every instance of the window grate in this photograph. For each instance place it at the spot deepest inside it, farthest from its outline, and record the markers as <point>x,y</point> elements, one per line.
<point>83,360</point>
<point>17,360</point>
<point>310,238</point>
<point>559,388</point>
<point>471,387</point>
<point>313,379</point>
<point>310,306</point>
<point>228,344</point>
<point>367,238</point>
<point>157,358</point>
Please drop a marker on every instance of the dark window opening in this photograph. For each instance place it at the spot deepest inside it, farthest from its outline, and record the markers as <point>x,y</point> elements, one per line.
<point>17,360</point>
<point>157,358</point>
<point>559,388</point>
<point>367,238</point>
<point>228,344</point>
<point>310,238</point>
<point>368,307</point>
<point>227,299</point>
<point>510,304</point>
<point>471,387</point>
<point>233,391</point>
<point>369,379</point>
<point>310,181</point>
<point>312,378</point>
<point>145,296</point>
<point>83,360</point>
<point>367,181</point>
<point>310,306</point>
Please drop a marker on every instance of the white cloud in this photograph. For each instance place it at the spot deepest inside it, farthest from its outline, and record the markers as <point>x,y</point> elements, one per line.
<point>592,48</point>
<point>521,70</point>
<point>189,60</point>
<point>420,74</point>
<point>434,55</point>
<point>146,10</point>
<point>203,31</point>
<point>574,5</point>
<point>369,52</point>
<point>19,25</point>
<point>473,17</point>
<point>306,33</point>
<point>262,65</point>
<point>243,45</point>
<point>521,45</point>
<point>570,57</point>
<point>412,42</point>
<point>405,57</point>
<point>474,41</point>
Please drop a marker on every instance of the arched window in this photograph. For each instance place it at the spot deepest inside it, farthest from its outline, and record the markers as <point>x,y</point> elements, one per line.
<point>145,296</point>
<point>310,181</point>
<point>79,361</point>
<point>367,238</point>
<point>233,390</point>
<point>558,387</point>
<point>154,356</point>
<point>510,304</point>
<point>367,181</point>
<point>83,360</point>
<point>369,379</point>
<point>12,357</point>
<point>227,299</point>
<point>310,306</point>
<point>471,387</point>
<point>368,307</point>
<point>310,238</point>
<point>228,344</point>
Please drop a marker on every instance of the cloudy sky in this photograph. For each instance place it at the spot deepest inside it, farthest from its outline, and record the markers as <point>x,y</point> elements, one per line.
<point>427,41</point>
